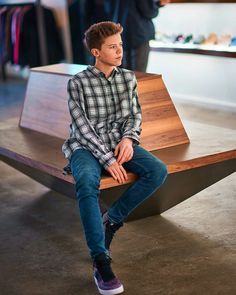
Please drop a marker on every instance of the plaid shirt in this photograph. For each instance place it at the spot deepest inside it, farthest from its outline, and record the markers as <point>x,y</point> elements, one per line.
<point>103,111</point>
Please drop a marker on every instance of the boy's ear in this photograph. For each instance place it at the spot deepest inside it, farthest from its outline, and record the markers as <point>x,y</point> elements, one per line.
<point>95,52</point>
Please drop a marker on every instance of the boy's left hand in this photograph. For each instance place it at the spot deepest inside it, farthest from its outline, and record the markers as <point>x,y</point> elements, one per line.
<point>124,150</point>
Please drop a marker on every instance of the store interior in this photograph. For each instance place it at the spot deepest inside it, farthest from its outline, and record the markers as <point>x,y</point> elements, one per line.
<point>189,249</point>
<point>199,73</point>
<point>194,47</point>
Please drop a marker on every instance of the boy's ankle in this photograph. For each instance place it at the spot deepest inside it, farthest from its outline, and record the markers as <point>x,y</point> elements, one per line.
<point>102,264</point>
<point>107,283</point>
<point>110,229</point>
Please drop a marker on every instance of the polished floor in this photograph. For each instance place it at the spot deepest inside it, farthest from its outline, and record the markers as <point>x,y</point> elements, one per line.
<point>188,250</point>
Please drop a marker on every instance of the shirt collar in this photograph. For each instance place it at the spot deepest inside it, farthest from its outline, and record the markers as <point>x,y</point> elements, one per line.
<point>98,73</point>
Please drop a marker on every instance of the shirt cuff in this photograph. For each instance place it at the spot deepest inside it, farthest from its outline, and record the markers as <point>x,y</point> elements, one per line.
<point>107,159</point>
<point>133,136</point>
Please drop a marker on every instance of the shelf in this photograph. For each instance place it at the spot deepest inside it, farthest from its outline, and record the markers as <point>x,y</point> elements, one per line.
<point>215,50</point>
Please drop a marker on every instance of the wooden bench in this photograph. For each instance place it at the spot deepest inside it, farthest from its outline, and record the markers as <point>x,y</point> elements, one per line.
<point>34,146</point>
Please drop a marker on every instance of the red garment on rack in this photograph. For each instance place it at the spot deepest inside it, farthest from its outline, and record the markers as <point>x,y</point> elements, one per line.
<point>19,20</point>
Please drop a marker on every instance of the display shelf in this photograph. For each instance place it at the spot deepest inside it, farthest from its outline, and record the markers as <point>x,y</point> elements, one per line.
<point>163,43</point>
<point>215,50</point>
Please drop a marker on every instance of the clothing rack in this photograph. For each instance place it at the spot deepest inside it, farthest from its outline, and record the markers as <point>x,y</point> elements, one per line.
<point>40,25</point>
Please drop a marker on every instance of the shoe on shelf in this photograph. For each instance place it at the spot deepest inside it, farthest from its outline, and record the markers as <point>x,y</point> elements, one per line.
<point>224,39</point>
<point>109,229</point>
<point>179,38</point>
<point>233,41</point>
<point>211,39</point>
<point>199,39</point>
<point>105,280</point>
<point>188,39</point>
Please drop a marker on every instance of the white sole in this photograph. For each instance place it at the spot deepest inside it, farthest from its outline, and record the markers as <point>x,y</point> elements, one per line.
<point>109,292</point>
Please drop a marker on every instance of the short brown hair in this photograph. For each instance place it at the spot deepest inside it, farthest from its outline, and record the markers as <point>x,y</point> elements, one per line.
<point>95,35</point>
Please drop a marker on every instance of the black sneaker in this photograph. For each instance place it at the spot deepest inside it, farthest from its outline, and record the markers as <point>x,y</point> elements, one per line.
<point>107,283</point>
<point>109,229</point>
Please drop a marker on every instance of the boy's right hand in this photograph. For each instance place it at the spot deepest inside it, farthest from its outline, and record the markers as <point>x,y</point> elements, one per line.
<point>117,172</point>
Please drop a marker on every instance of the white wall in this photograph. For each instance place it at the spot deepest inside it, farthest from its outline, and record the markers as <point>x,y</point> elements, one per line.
<point>197,78</point>
<point>192,77</point>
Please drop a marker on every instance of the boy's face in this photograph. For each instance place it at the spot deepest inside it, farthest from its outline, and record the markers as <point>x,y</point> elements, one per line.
<point>111,51</point>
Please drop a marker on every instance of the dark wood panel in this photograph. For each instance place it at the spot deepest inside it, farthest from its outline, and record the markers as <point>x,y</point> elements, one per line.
<point>177,188</point>
<point>181,186</point>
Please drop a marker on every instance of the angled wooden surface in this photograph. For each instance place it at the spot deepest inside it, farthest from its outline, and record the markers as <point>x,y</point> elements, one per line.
<point>46,108</point>
<point>209,145</point>
<point>72,69</point>
<point>34,147</point>
<point>191,168</point>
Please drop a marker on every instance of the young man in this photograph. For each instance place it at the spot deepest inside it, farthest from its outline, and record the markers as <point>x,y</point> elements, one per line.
<point>105,129</point>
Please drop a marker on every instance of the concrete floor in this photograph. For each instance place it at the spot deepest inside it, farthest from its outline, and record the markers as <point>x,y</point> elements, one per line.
<point>190,249</point>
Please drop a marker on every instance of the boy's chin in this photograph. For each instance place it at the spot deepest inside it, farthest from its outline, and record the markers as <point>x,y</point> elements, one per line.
<point>118,63</point>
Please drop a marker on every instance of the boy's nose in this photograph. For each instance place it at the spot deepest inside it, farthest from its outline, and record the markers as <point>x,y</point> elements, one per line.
<point>119,50</point>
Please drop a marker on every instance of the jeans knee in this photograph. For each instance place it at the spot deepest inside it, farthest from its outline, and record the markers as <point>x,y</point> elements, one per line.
<point>159,173</point>
<point>87,183</point>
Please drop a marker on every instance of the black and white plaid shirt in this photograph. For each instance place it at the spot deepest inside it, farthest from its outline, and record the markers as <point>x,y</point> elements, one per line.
<point>103,111</point>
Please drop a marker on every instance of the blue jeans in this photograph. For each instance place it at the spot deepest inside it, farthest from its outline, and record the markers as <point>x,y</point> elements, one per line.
<point>87,172</point>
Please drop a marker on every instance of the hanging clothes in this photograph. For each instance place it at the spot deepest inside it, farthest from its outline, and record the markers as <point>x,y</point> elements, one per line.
<point>76,11</point>
<point>20,38</point>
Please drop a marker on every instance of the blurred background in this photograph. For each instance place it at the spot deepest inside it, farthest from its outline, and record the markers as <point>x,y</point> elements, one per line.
<point>194,45</point>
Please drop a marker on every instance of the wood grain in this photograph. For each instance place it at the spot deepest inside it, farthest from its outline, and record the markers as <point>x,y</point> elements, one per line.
<point>34,147</point>
<point>46,111</point>
<point>209,145</point>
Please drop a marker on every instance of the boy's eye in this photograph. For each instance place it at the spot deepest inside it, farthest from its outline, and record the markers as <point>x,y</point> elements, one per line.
<point>115,46</point>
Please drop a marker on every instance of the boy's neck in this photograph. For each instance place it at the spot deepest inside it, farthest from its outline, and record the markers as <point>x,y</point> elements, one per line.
<point>106,69</point>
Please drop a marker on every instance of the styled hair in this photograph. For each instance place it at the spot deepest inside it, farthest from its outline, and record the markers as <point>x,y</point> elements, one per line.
<point>97,33</point>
